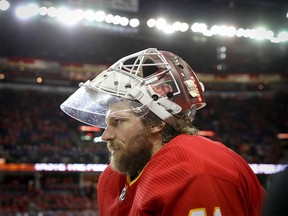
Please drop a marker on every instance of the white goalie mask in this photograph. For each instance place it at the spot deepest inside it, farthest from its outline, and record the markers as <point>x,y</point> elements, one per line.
<point>153,80</point>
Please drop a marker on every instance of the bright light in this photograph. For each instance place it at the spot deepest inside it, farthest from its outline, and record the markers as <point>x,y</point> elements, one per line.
<point>124,21</point>
<point>24,12</point>
<point>199,27</point>
<point>269,35</point>
<point>39,80</point>
<point>223,30</point>
<point>134,22</point>
<point>151,23</point>
<point>168,29</point>
<point>86,128</point>
<point>79,14</point>
<point>109,18</point>
<point>282,135</point>
<point>52,12</point>
<point>222,49</point>
<point>240,32</point>
<point>116,20</point>
<point>160,23</point>
<point>89,15</point>
<point>98,139</point>
<point>275,40</point>
<point>219,67</point>
<point>257,168</point>
<point>207,33</point>
<point>254,34</point>
<point>4,5</point>
<point>247,33</point>
<point>69,17</point>
<point>230,31</point>
<point>184,27</point>
<point>260,33</point>
<point>43,11</point>
<point>100,16</point>
<point>283,36</point>
<point>222,56</point>
<point>194,27</point>
<point>178,26</point>
<point>267,168</point>
<point>215,29</point>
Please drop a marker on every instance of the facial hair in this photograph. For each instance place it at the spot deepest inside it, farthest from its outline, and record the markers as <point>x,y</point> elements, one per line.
<point>133,158</point>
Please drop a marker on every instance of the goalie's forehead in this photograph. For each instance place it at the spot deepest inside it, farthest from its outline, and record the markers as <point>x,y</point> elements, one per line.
<point>126,109</point>
<point>120,110</point>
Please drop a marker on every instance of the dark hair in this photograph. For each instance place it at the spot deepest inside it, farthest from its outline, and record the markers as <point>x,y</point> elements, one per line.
<point>183,125</point>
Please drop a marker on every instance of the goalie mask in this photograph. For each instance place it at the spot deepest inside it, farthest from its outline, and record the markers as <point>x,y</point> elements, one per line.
<point>153,80</point>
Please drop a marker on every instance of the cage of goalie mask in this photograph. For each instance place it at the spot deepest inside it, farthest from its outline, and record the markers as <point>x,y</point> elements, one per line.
<point>154,80</point>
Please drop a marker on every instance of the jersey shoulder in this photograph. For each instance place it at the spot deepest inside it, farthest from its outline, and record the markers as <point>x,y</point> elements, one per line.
<point>188,156</point>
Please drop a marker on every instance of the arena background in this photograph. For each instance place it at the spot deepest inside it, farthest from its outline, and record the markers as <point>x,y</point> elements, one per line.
<point>50,163</point>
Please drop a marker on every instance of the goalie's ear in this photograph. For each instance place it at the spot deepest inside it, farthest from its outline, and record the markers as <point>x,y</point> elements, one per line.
<point>153,129</point>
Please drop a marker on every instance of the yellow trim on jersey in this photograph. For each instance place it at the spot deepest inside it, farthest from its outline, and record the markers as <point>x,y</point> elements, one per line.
<point>134,180</point>
<point>197,212</point>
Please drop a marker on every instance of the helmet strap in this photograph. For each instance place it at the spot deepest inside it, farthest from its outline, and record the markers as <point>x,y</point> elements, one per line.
<point>154,106</point>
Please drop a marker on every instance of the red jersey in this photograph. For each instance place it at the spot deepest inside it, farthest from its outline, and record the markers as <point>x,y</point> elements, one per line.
<point>190,175</point>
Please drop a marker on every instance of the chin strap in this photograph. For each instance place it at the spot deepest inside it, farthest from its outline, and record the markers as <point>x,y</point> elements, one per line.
<point>157,107</point>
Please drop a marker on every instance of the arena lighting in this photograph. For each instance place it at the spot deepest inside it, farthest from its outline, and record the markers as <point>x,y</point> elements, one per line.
<point>199,27</point>
<point>71,17</point>
<point>151,23</point>
<point>61,167</point>
<point>267,168</point>
<point>70,167</point>
<point>39,79</point>
<point>134,22</point>
<point>282,36</point>
<point>89,15</point>
<point>43,11</point>
<point>85,128</point>
<point>2,160</point>
<point>162,24</point>
<point>282,135</point>
<point>24,12</point>
<point>259,33</point>
<point>116,20</point>
<point>98,139</point>
<point>4,5</point>
<point>100,16</point>
<point>168,29</point>
<point>223,30</point>
<point>109,18</point>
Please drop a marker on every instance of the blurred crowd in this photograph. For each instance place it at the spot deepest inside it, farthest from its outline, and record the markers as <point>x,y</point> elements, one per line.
<point>249,125</point>
<point>58,195</point>
<point>33,129</point>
